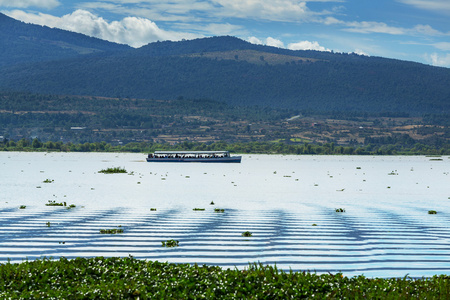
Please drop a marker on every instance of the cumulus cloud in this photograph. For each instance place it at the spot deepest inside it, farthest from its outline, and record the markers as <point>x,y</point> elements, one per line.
<point>131,30</point>
<point>307,45</point>
<point>302,45</point>
<point>255,40</point>
<point>439,60</point>
<point>270,41</point>
<point>48,4</point>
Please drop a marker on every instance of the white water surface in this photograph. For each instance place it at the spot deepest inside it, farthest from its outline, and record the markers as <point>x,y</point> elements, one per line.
<point>288,202</point>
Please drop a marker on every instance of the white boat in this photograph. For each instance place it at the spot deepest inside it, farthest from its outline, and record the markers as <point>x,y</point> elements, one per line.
<point>193,156</point>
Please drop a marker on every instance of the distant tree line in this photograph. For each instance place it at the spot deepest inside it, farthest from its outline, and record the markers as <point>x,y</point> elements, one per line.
<point>250,148</point>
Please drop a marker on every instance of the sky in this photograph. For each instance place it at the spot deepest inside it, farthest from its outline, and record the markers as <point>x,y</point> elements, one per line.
<point>413,30</point>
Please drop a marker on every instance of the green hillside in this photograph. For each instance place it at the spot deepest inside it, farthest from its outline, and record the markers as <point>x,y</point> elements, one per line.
<point>225,69</point>
<point>23,43</point>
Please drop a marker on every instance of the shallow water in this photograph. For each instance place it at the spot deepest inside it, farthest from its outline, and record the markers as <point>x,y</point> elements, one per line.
<point>385,230</point>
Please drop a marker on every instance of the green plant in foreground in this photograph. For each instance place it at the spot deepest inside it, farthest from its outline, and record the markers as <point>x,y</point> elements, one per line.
<point>170,243</point>
<point>432,212</point>
<point>247,234</point>
<point>113,170</point>
<point>130,278</point>
<point>48,224</point>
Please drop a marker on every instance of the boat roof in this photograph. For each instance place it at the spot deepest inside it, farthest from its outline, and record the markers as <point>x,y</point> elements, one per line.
<point>191,152</point>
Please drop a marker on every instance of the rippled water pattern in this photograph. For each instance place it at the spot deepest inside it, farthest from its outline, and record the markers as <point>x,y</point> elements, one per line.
<point>287,202</point>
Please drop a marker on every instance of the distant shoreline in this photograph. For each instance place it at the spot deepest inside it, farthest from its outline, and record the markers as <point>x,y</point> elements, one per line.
<point>35,145</point>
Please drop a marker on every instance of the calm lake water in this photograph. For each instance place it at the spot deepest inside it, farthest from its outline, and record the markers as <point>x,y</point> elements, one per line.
<point>287,202</point>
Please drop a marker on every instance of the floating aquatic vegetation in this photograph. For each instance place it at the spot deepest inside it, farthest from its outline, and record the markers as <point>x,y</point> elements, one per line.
<point>22,207</point>
<point>314,224</point>
<point>432,212</point>
<point>48,180</point>
<point>219,210</point>
<point>130,278</point>
<point>113,170</point>
<point>170,243</point>
<point>152,209</point>
<point>198,209</point>
<point>111,231</point>
<point>340,209</point>
<point>54,203</point>
<point>247,234</point>
<point>48,224</point>
<point>393,173</point>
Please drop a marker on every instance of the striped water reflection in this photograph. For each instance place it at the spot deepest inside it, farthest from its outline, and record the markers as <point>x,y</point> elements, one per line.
<point>293,223</point>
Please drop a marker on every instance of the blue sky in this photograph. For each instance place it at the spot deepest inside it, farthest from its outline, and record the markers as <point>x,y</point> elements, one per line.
<point>414,30</point>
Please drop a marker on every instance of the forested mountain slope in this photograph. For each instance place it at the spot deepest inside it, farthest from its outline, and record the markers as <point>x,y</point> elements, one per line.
<point>225,69</point>
<point>21,43</point>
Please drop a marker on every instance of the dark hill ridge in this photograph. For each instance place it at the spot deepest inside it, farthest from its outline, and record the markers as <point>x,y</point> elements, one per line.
<point>225,69</point>
<point>21,43</point>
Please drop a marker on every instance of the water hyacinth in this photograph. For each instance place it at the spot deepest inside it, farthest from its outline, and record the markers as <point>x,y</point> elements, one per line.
<point>113,170</point>
<point>130,278</point>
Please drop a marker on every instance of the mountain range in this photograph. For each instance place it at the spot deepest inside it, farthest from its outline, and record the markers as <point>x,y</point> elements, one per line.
<point>45,60</point>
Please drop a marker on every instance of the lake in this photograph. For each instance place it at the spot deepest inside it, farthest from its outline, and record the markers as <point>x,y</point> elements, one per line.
<point>287,202</point>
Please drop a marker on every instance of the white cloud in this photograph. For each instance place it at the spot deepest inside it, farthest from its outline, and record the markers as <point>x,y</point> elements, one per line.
<point>270,41</point>
<point>439,60</point>
<point>48,4</point>
<point>438,6</point>
<point>131,30</point>
<point>427,30</point>
<point>307,45</point>
<point>373,27</point>
<point>255,40</point>
<point>444,46</point>
<point>275,10</point>
<point>360,52</point>
<point>302,45</point>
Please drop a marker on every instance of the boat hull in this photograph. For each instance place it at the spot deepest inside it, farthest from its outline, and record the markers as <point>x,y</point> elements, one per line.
<point>233,159</point>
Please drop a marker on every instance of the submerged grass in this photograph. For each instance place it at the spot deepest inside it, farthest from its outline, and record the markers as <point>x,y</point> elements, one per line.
<point>129,278</point>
